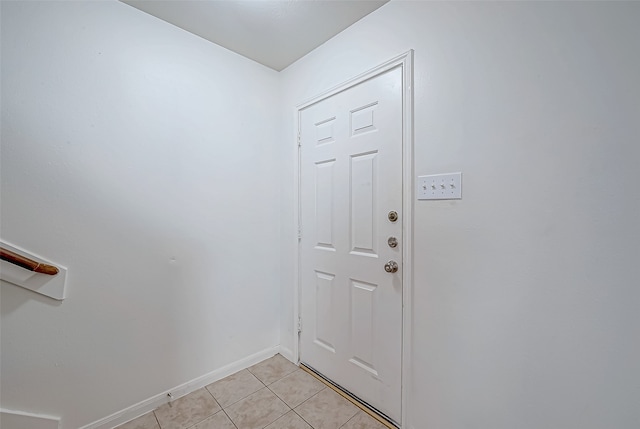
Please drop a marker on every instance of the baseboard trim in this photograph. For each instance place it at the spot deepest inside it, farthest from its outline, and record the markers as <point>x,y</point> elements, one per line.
<point>154,402</point>
<point>11,419</point>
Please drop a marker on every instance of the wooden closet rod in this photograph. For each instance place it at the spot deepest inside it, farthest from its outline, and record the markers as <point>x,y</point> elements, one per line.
<point>26,263</point>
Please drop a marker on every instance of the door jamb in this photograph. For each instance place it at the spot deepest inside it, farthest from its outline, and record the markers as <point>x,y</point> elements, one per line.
<point>405,61</point>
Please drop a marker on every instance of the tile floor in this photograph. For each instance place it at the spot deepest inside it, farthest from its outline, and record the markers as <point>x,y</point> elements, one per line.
<point>273,394</point>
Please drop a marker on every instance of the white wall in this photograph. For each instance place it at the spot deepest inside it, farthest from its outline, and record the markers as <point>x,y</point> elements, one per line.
<point>128,143</point>
<point>526,291</point>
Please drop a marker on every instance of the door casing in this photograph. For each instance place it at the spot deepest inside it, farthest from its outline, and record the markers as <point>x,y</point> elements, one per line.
<point>406,62</point>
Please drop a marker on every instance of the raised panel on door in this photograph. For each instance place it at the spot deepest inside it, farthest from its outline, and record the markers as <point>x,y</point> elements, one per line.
<point>325,327</point>
<point>363,300</point>
<point>324,205</point>
<point>363,217</point>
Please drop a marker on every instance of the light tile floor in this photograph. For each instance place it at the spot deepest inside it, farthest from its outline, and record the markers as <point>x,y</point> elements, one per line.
<point>273,394</point>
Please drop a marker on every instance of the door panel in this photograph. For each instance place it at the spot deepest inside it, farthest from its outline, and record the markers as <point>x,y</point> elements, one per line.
<point>325,330</point>
<point>350,179</point>
<point>363,219</point>
<point>324,204</point>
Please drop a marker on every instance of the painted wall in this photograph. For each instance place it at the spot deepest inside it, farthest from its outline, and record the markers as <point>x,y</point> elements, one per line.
<point>526,291</point>
<point>129,143</point>
<point>142,158</point>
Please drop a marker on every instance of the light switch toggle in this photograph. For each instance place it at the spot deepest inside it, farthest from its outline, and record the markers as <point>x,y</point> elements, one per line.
<point>439,187</point>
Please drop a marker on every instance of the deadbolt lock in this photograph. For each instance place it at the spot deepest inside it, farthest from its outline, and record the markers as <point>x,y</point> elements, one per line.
<point>392,242</point>
<point>391,267</point>
<point>393,215</point>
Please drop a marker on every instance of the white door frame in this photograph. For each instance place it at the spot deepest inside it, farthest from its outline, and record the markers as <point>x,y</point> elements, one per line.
<point>405,61</point>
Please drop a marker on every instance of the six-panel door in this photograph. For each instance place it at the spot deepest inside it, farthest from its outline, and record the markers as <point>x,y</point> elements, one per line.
<point>350,180</point>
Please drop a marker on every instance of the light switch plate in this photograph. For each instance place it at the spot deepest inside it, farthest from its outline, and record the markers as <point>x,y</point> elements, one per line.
<point>439,187</point>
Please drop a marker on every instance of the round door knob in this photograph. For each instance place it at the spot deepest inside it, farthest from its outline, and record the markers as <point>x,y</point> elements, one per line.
<point>391,267</point>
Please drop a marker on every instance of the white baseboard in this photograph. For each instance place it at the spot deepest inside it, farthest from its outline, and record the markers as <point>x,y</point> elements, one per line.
<point>10,419</point>
<point>154,402</point>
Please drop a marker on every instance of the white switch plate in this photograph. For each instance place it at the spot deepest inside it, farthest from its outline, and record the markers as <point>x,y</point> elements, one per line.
<point>439,187</point>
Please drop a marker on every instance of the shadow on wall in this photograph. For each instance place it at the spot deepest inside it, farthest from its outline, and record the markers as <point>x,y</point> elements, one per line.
<point>13,297</point>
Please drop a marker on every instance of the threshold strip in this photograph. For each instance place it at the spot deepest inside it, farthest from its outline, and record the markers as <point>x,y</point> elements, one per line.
<point>371,411</point>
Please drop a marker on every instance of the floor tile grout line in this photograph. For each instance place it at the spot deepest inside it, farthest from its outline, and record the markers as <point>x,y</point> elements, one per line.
<point>303,419</point>
<point>269,390</point>
<point>278,396</point>
<point>259,390</point>
<point>229,417</point>
<point>277,354</point>
<point>358,410</point>
<point>279,417</point>
<point>206,417</point>
<point>156,417</point>
<point>244,397</point>
<point>311,397</point>
<point>353,417</point>
<point>350,418</point>
<point>324,386</point>
<point>200,421</point>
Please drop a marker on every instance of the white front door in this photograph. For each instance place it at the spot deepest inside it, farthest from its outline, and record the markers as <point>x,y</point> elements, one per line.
<point>350,188</point>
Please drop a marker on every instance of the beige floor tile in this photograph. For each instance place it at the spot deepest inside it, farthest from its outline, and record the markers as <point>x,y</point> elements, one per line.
<point>296,388</point>
<point>147,421</point>
<point>218,421</point>
<point>327,410</point>
<point>272,369</point>
<point>363,421</point>
<point>257,410</point>
<point>231,389</point>
<point>187,411</point>
<point>289,421</point>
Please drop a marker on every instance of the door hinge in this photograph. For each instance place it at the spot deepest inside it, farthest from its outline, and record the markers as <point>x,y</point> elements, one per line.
<point>299,233</point>
<point>299,325</point>
<point>299,140</point>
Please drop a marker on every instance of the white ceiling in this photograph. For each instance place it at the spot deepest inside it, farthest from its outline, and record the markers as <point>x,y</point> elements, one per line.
<point>275,33</point>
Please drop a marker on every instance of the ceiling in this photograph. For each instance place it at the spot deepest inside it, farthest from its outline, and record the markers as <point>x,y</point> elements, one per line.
<point>274,33</point>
